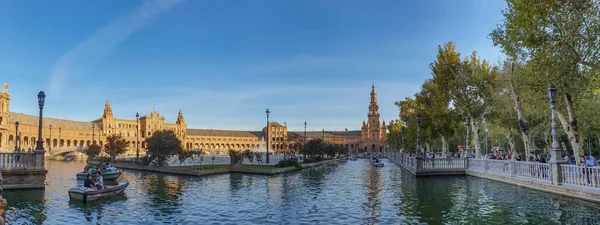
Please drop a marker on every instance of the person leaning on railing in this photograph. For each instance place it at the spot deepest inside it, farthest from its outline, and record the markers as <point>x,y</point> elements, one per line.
<point>589,160</point>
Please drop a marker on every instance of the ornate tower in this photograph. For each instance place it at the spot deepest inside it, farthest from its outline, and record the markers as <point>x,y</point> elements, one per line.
<point>181,126</point>
<point>364,131</point>
<point>108,121</point>
<point>373,115</point>
<point>4,116</point>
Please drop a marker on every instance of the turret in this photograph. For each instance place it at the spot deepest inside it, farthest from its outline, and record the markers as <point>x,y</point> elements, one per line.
<point>181,126</point>
<point>107,111</point>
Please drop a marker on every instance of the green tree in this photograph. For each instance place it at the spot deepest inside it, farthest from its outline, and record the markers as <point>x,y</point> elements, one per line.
<point>409,108</point>
<point>183,155</point>
<point>115,145</point>
<point>559,42</point>
<point>470,84</point>
<point>394,137</point>
<point>235,157</point>
<point>248,154</point>
<point>331,150</point>
<point>161,145</point>
<point>315,147</point>
<point>93,150</point>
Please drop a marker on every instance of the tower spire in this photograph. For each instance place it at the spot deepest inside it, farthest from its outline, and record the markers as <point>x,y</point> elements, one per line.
<point>373,107</point>
<point>107,110</point>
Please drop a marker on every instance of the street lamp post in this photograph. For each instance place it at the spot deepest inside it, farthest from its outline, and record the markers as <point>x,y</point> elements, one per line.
<point>268,112</point>
<point>93,129</point>
<point>304,145</point>
<point>59,142</point>
<point>418,134</point>
<point>50,147</point>
<point>486,141</point>
<point>137,137</point>
<point>467,139</point>
<point>41,98</point>
<point>556,152</point>
<point>16,136</point>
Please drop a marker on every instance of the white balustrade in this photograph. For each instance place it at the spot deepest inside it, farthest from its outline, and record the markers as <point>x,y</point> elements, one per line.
<point>17,160</point>
<point>578,176</point>
<point>444,163</point>
<point>571,176</point>
<point>532,170</point>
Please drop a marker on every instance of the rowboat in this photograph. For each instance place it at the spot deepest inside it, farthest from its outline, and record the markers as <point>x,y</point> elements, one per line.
<point>107,174</point>
<point>85,194</point>
<point>377,164</point>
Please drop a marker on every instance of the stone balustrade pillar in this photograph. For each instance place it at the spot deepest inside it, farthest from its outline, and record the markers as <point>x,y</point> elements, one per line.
<point>39,159</point>
<point>556,172</point>
<point>419,163</point>
<point>3,203</point>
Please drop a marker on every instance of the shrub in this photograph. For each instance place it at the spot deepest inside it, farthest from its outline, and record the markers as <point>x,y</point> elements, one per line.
<point>287,163</point>
<point>313,160</point>
<point>93,150</point>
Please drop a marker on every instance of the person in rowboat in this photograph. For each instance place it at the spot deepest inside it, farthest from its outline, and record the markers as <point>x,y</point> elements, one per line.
<point>99,180</point>
<point>88,183</point>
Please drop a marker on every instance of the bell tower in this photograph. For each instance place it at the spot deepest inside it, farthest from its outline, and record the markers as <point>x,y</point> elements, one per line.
<point>373,115</point>
<point>4,116</point>
<point>181,127</point>
<point>108,120</point>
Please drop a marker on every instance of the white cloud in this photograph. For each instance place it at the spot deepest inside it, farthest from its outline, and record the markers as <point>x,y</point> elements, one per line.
<point>89,52</point>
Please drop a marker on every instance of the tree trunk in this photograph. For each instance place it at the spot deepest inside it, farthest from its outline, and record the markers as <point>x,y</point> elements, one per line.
<point>444,146</point>
<point>511,145</point>
<point>475,130</point>
<point>523,124</point>
<point>570,127</point>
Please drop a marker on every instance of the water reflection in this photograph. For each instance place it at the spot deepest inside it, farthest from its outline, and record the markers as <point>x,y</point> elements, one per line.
<point>373,186</point>
<point>343,193</point>
<point>25,206</point>
<point>93,211</point>
<point>164,194</point>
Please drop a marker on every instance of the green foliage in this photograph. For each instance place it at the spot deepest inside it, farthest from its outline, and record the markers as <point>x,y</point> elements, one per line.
<point>235,157</point>
<point>557,42</point>
<point>184,154</point>
<point>248,154</point>
<point>161,145</point>
<point>315,147</point>
<point>394,135</point>
<point>287,163</point>
<point>93,150</point>
<point>115,145</point>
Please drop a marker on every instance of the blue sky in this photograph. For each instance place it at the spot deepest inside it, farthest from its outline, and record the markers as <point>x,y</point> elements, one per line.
<point>224,62</point>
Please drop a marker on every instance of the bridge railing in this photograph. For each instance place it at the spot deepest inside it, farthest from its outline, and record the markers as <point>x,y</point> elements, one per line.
<point>18,160</point>
<point>22,160</point>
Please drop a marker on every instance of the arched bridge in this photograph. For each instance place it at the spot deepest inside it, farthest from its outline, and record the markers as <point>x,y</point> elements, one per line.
<point>62,152</point>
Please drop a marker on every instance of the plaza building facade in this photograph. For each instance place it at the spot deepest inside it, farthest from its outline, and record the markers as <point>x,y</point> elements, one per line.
<point>60,135</point>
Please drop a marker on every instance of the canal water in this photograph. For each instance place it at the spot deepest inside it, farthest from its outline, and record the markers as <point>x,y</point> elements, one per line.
<point>348,192</point>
